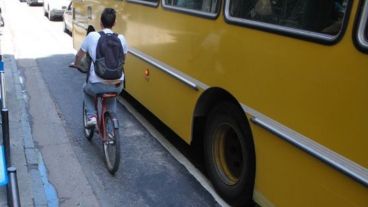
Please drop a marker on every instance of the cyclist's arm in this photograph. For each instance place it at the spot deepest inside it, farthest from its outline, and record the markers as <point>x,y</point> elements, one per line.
<point>78,57</point>
<point>82,51</point>
<point>124,44</point>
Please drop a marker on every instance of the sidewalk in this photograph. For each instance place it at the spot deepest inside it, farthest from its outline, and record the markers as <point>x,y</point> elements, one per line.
<point>25,157</point>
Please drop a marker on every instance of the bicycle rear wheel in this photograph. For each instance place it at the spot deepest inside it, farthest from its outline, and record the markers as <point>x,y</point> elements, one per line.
<point>111,147</point>
<point>88,132</point>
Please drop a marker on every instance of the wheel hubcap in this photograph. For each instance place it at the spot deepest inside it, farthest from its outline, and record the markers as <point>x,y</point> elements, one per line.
<point>228,154</point>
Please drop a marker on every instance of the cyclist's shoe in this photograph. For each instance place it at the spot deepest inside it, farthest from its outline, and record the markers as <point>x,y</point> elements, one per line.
<point>91,122</point>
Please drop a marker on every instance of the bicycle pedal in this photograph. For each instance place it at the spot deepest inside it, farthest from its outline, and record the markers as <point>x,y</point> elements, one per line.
<point>89,127</point>
<point>110,142</point>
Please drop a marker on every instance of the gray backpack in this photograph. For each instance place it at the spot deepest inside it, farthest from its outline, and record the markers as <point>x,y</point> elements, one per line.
<point>109,64</point>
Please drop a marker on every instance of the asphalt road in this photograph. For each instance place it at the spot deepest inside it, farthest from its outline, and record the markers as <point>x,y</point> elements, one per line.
<point>148,174</point>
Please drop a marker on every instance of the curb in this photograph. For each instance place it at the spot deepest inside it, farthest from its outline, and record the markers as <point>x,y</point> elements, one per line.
<point>32,155</point>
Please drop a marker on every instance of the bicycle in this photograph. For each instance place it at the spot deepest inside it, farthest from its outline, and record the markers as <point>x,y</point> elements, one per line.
<point>108,129</point>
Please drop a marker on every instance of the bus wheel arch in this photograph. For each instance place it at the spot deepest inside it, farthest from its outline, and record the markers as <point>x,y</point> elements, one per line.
<point>222,129</point>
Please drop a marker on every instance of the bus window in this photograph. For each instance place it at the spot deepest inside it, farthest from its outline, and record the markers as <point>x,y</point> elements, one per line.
<point>145,2</point>
<point>362,33</point>
<point>208,6</point>
<point>318,16</point>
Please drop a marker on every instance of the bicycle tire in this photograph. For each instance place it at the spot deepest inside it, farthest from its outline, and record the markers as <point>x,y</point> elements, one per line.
<point>88,132</point>
<point>111,147</point>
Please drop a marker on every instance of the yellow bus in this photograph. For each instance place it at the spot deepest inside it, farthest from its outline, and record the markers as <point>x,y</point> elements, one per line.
<point>275,91</point>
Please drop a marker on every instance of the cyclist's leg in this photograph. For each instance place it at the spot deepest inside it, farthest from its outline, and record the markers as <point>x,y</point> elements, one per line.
<point>89,99</point>
<point>90,91</point>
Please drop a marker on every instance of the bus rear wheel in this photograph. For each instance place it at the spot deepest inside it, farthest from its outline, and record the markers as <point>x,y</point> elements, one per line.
<point>229,155</point>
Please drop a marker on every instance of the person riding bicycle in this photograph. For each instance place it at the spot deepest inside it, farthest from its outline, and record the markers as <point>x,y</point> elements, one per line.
<point>95,44</point>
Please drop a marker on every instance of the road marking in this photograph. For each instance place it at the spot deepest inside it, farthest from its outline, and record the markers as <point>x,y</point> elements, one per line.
<point>175,153</point>
<point>51,195</point>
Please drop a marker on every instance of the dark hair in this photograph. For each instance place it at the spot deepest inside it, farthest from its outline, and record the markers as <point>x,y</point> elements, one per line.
<point>108,17</point>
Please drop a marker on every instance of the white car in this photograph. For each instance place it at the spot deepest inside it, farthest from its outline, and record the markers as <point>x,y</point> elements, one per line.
<point>2,23</point>
<point>34,2</point>
<point>68,19</point>
<point>55,8</point>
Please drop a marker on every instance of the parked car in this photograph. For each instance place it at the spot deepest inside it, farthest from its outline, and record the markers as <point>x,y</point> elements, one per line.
<point>55,8</point>
<point>34,2</point>
<point>2,23</point>
<point>68,18</point>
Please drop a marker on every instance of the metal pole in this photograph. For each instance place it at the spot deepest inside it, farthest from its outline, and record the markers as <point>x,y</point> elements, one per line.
<point>6,139</point>
<point>3,95</point>
<point>4,114</point>
<point>13,187</point>
<point>2,79</point>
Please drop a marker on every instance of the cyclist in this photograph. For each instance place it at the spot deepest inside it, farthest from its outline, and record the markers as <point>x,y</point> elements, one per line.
<point>95,84</point>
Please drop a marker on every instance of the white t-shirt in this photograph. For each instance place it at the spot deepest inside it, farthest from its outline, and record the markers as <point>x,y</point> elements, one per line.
<point>89,46</point>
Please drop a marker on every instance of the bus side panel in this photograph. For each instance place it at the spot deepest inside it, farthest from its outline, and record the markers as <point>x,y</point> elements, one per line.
<point>158,93</point>
<point>313,89</point>
<point>288,176</point>
<point>168,98</point>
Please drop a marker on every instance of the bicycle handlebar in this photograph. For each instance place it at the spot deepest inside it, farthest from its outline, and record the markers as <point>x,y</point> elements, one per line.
<point>72,65</point>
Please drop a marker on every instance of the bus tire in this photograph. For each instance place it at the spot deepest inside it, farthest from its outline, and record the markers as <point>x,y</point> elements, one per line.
<point>229,154</point>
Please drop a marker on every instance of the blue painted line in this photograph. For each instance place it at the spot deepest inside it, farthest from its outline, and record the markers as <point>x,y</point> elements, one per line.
<point>51,195</point>
<point>1,66</point>
<point>3,168</point>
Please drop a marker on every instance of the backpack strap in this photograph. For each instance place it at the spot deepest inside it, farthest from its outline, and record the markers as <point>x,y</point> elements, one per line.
<point>102,33</point>
<point>117,35</point>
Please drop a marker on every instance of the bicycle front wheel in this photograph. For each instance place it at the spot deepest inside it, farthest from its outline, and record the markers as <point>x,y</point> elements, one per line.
<point>111,146</point>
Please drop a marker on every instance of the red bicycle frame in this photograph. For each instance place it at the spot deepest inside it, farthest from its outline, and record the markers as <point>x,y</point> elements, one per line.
<point>100,116</point>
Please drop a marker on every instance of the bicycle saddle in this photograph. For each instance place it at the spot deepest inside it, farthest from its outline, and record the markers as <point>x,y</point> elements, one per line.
<point>107,95</point>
